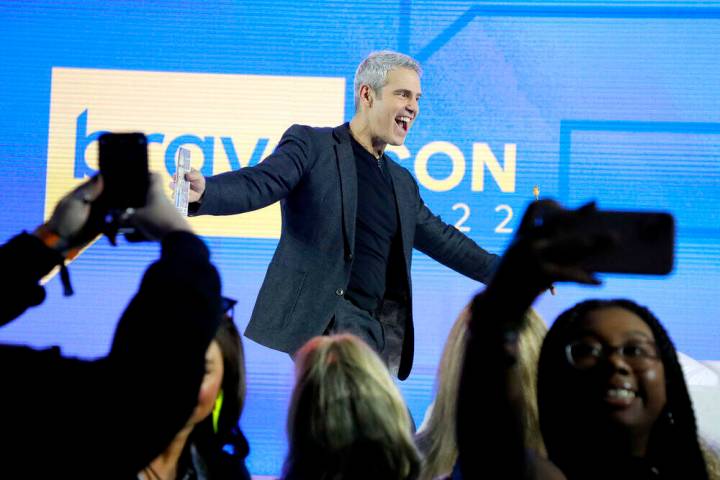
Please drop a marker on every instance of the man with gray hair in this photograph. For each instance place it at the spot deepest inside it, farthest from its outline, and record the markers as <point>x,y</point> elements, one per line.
<point>350,219</point>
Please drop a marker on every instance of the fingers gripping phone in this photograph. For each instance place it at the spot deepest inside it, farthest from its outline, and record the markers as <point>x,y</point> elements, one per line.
<point>124,167</point>
<point>637,242</point>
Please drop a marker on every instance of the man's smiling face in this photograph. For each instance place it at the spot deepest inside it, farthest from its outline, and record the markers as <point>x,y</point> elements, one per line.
<point>395,107</point>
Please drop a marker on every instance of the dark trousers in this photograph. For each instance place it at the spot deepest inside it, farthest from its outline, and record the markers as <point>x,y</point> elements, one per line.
<point>386,338</point>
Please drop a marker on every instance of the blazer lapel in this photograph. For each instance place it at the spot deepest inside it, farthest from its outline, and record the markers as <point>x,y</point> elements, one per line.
<point>348,184</point>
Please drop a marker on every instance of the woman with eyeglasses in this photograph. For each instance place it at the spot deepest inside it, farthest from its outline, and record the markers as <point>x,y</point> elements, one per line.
<point>612,399</point>
<point>211,444</point>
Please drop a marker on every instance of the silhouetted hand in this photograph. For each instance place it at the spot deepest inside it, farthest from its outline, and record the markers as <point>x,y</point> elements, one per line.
<point>158,217</point>
<point>541,254</point>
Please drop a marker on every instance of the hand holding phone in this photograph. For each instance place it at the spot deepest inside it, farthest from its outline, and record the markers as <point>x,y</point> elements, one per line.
<point>558,245</point>
<point>159,216</point>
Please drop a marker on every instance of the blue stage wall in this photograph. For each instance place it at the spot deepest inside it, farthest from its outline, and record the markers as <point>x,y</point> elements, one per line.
<point>608,101</point>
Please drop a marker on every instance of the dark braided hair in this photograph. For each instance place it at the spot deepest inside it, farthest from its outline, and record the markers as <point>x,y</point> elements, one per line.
<point>673,447</point>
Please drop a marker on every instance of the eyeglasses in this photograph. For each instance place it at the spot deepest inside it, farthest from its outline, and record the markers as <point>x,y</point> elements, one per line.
<point>639,355</point>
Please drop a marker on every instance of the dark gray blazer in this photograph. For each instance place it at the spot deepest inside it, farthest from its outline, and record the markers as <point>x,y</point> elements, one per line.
<point>312,173</point>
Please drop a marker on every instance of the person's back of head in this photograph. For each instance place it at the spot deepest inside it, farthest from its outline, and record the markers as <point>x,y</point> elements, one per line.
<point>347,419</point>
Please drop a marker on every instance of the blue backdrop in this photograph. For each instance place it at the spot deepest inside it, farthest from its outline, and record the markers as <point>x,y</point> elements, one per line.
<point>600,100</point>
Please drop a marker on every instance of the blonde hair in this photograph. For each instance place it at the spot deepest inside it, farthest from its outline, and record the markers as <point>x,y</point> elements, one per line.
<point>347,418</point>
<point>712,459</point>
<point>437,440</point>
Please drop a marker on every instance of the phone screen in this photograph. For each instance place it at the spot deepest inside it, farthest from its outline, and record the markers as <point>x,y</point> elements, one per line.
<point>124,167</point>
<point>640,242</point>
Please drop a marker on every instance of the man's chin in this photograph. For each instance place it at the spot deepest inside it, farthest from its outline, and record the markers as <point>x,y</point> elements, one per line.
<point>397,141</point>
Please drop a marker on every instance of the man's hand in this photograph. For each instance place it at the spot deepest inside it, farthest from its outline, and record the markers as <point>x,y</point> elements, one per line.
<point>197,185</point>
<point>158,217</point>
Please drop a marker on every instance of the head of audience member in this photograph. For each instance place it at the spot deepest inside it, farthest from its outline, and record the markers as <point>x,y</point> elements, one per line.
<point>611,394</point>
<point>387,90</point>
<point>436,439</point>
<point>211,439</point>
<point>347,418</point>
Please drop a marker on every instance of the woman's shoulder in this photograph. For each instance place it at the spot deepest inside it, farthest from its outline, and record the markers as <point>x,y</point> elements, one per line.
<point>544,469</point>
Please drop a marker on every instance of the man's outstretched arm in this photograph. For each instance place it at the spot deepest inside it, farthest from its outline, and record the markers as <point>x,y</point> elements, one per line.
<point>255,187</point>
<point>449,246</point>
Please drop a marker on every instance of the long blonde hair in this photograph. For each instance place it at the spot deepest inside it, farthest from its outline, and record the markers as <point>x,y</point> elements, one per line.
<point>437,440</point>
<point>712,459</point>
<point>347,418</point>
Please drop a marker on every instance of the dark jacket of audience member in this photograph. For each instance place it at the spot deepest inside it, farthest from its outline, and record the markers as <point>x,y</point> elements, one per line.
<point>109,417</point>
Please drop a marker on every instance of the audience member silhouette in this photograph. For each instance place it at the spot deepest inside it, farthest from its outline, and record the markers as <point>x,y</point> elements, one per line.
<point>109,417</point>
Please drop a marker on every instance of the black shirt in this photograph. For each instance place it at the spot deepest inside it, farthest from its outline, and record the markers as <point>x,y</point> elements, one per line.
<point>375,228</point>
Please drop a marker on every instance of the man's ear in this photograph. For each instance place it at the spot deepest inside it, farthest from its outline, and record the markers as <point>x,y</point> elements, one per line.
<point>367,95</point>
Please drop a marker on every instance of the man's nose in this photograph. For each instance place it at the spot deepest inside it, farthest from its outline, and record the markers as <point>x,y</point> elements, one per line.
<point>412,106</point>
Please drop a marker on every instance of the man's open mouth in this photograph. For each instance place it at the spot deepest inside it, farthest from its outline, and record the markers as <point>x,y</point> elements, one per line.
<point>403,122</point>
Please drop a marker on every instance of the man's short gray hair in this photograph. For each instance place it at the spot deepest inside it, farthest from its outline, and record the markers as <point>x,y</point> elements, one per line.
<point>373,71</point>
